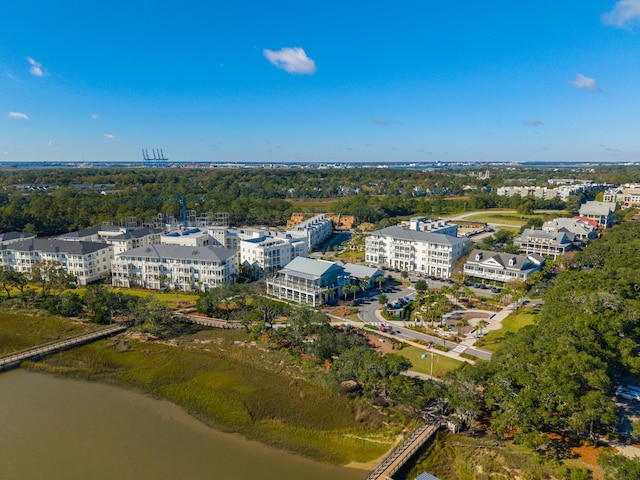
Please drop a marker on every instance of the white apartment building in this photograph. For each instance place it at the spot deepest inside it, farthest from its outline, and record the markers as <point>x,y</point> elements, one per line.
<point>87,261</point>
<point>414,251</point>
<point>191,237</point>
<point>265,255</point>
<point>169,266</point>
<point>317,229</point>
<point>7,238</point>
<point>423,224</point>
<point>122,238</point>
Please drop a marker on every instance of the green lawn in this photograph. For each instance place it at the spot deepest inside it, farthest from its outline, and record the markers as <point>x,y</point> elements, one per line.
<point>511,324</point>
<point>169,298</point>
<point>441,363</point>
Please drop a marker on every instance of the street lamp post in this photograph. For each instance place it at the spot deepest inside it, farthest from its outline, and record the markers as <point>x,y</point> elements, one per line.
<point>432,354</point>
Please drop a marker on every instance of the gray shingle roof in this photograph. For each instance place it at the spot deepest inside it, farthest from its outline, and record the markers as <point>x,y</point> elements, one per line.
<point>6,236</point>
<point>208,253</point>
<point>520,262</point>
<point>597,208</point>
<point>53,245</point>
<point>419,236</point>
<point>136,233</point>
<point>558,238</point>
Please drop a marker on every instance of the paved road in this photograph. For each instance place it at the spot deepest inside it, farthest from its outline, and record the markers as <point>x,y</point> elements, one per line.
<point>367,314</point>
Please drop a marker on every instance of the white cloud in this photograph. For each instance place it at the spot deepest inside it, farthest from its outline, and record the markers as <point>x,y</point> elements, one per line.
<point>17,116</point>
<point>95,116</point>
<point>111,137</point>
<point>625,13</point>
<point>292,60</point>
<point>532,122</point>
<point>51,143</point>
<point>379,121</point>
<point>36,69</point>
<point>584,82</point>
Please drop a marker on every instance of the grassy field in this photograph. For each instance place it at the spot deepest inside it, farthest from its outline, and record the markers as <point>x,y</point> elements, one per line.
<point>508,217</point>
<point>170,298</point>
<point>315,206</point>
<point>234,385</point>
<point>441,363</point>
<point>25,329</point>
<point>511,324</point>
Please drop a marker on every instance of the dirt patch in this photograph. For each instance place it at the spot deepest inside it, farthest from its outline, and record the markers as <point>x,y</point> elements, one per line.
<point>379,344</point>
<point>588,454</point>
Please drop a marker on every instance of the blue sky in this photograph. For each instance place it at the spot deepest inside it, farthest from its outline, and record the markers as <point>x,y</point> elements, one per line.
<point>284,81</point>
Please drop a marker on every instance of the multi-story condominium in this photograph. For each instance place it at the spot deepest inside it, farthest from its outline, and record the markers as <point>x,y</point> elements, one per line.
<point>501,267</point>
<point>191,237</point>
<point>562,192</point>
<point>231,237</point>
<point>628,195</point>
<point>122,238</point>
<point>175,266</point>
<point>576,228</point>
<point>317,229</point>
<point>414,251</point>
<point>423,224</point>
<point>87,261</point>
<point>543,242</point>
<point>7,238</point>
<point>265,255</point>
<point>308,281</point>
<point>601,212</point>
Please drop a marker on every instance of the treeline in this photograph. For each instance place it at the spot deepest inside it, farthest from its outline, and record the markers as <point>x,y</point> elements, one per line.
<point>251,197</point>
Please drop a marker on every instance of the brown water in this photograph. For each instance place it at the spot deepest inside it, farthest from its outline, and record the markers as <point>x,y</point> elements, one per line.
<point>52,428</point>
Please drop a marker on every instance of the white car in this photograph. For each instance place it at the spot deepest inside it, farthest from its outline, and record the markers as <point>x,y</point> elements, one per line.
<point>627,394</point>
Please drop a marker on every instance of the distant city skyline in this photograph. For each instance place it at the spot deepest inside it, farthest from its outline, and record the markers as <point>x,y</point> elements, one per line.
<point>382,81</point>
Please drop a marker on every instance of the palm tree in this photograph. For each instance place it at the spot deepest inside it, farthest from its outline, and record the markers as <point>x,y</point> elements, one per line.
<point>379,280</point>
<point>383,299</point>
<point>482,324</point>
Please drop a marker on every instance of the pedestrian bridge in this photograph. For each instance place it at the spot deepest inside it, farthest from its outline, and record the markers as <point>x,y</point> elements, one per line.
<point>14,359</point>
<point>403,452</point>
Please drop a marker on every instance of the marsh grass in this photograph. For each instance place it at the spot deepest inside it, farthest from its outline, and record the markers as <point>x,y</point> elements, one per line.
<point>20,329</point>
<point>230,384</point>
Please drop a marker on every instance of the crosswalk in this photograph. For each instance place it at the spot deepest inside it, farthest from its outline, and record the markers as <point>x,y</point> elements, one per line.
<point>459,349</point>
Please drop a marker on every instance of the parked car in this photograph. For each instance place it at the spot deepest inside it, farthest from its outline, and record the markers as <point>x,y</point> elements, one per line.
<point>627,394</point>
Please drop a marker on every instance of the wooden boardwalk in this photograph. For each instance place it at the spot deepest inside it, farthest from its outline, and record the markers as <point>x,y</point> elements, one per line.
<point>209,322</point>
<point>13,359</point>
<point>403,452</point>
